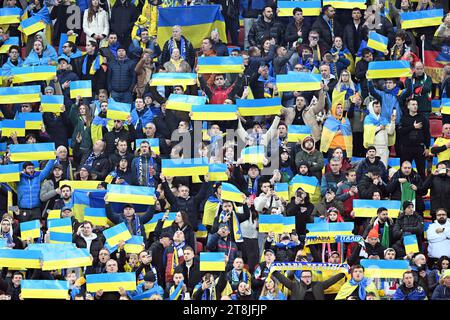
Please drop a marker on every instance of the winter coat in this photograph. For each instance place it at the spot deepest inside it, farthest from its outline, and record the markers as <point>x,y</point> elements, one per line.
<point>364,252</point>
<point>190,52</point>
<point>422,87</point>
<point>121,75</point>
<point>330,181</point>
<point>100,166</point>
<point>118,218</point>
<point>56,127</point>
<point>98,26</point>
<point>28,188</point>
<point>192,275</point>
<point>438,243</point>
<point>122,19</point>
<point>412,137</point>
<point>353,36</point>
<point>439,186</point>
<point>218,244</point>
<point>302,213</point>
<point>371,224</point>
<point>441,292</point>
<point>325,35</point>
<point>80,128</point>
<point>402,293</point>
<point>265,202</point>
<point>323,206</point>
<point>261,30</point>
<point>48,55</point>
<point>408,223</point>
<point>394,187</point>
<point>283,252</point>
<point>63,76</point>
<point>96,244</point>
<point>291,34</point>
<point>112,137</point>
<point>365,164</point>
<point>366,188</point>
<point>343,195</point>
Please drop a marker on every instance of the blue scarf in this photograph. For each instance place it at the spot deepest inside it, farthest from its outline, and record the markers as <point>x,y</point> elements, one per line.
<point>137,226</point>
<point>140,171</point>
<point>94,67</point>
<point>173,45</point>
<point>235,276</point>
<point>253,188</point>
<point>361,287</point>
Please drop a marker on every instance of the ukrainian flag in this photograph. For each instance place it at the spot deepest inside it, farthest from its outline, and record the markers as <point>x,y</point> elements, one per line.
<point>2,145</point>
<point>197,22</point>
<point>310,8</point>
<point>296,133</point>
<point>377,41</point>
<point>51,247</point>
<point>298,81</point>
<point>411,244</point>
<point>346,4</point>
<point>118,110</point>
<point>134,245</point>
<point>35,151</point>
<point>110,282</point>
<point>259,107</point>
<point>185,167</point>
<point>212,261</point>
<point>33,73</point>
<point>435,105</point>
<point>394,163</point>
<point>130,194</point>
<point>219,112</point>
<point>10,15</point>
<point>176,293</point>
<point>97,216</point>
<point>19,259</point>
<point>151,225</point>
<point>116,234</point>
<point>309,184</point>
<point>270,223</point>
<point>60,237</point>
<point>170,219</point>
<point>389,69</point>
<point>420,19</point>
<point>201,232</point>
<point>30,229</point>
<point>81,185</point>
<point>33,120</point>
<point>9,126</point>
<point>9,173</point>
<point>60,225</point>
<point>82,88</point>
<point>231,193</point>
<point>426,212</point>
<point>445,106</point>
<point>153,142</point>
<point>220,65</point>
<point>253,154</point>
<point>32,25</point>
<point>23,94</point>
<point>217,172</point>
<point>288,224</point>
<point>282,190</point>
<point>368,208</point>
<point>384,268</point>
<point>182,102</point>
<point>44,289</point>
<point>329,130</point>
<point>330,229</point>
<point>173,79</point>
<point>52,103</point>
<point>62,259</point>
<point>13,41</point>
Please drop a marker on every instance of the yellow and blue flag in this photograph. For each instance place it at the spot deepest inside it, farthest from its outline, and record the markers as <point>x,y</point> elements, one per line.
<point>231,193</point>
<point>62,259</point>
<point>33,120</point>
<point>153,142</point>
<point>310,8</point>
<point>296,133</point>
<point>118,110</point>
<point>184,167</point>
<point>82,88</point>
<point>34,151</point>
<point>394,163</point>
<point>390,269</point>
<point>259,107</point>
<point>10,15</point>
<point>44,289</point>
<point>170,219</point>
<point>173,78</point>
<point>134,245</point>
<point>422,18</point>
<point>151,225</point>
<point>13,41</point>
<point>3,146</point>
<point>220,65</point>
<point>183,102</point>
<point>368,208</point>
<point>389,69</point>
<point>130,194</point>
<point>9,126</point>
<point>33,73</point>
<point>411,244</point>
<point>52,103</point>
<point>219,112</point>
<point>60,237</point>
<point>32,25</point>
<point>212,261</point>
<point>282,190</point>
<point>308,184</point>
<point>445,106</point>
<point>30,229</point>
<point>201,232</point>
<point>217,172</point>
<point>97,216</point>
<point>271,223</point>
<point>298,81</point>
<point>427,211</point>
<point>19,259</point>
<point>253,154</point>
<point>23,94</point>
<point>81,185</point>
<point>288,224</point>
<point>197,22</point>
<point>9,173</point>
<point>110,282</point>
<point>177,291</point>
<point>329,229</point>
<point>60,225</point>
<point>116,234</point>
<point>53,214</point>
<point>346,4</point>
<point>330,129</point>
<point>63,38</point>
<point>377,41</point>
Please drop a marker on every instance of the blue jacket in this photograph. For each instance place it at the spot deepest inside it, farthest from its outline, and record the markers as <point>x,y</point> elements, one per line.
<point>140,288</point>
<point>441,293</point>
<point>29,187</point>
<point>6,68</point>
<point>34,60</point>
<point>140,120</point>
<point>417,294</point>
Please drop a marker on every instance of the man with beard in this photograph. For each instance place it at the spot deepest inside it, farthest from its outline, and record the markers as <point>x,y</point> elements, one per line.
<point>439,185</point>
<point>383,224</point>
<point>302,209</point>
<point>66,197</point>
<point>438,235</point>
<point>312,157</point>
<point>371,160</point>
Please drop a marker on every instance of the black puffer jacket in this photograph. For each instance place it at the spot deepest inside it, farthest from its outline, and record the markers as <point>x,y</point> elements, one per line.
<point>408,223</point>
<point>322,27</point>
<point>358,253</point>
<point>283,253</point>
<point>364,166</point>
<point>440,191</point>
<point>261,30</point>
<point>121,75</point>
<point>100,166</point>
<point>96,245</point>
<point>123,16</point>
<point>395,190</point>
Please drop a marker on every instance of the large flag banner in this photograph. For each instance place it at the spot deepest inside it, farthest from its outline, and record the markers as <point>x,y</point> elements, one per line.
<point>271,223</point>
<point>10,15</point>
<point>389,69</point>
<point>314,266</point>
<point>44,289</point>
<point>422,18</point>
<point>212,261</point>
<point>184,167</point>
<point>62,259</point>
<point>97,216</point>
<point>9,173</point>
<point>411,244</point>
<point>33,120</point>
<point>34,151</point>
<point>19,259</point>
<point>196,22</point>
<point>368,208</point>
<point>220,65</point>
<point>33,73</point>
<point>296,81</point>
<point>116,234</point>
<point>173,78</point>
<point>384,268</point>
<point>130,194</point>
<point>23,94</point>
<point>13,41</point>
<point>110,282</point>
<point>52,103</point>
<point>118,110</point>
<point>9,126</point>
<point>377,41</point>
<point>296,133</point>
<point>310,8</point>
<point>231,193</point>
<point>436,56</point>
<point>82,88</point>
<point>183,102</point>
<point>259,107</point>
<point>214,112</point>
<point>30,229</point>
<point>346,4</point>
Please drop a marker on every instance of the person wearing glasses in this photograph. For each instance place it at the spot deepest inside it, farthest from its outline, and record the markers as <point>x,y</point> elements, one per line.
<point>70,51</point>
<point>438,235</point>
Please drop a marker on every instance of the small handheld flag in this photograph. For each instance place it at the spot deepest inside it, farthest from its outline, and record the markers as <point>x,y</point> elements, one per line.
<point>212,261</point>
<point>183,102</point>
<point>184,167</point>
<point>118,110</point>
<point>389,69</point>
<point>259,107</point>
<point>44,289</point>
<point>22,94</point>
<point>130,194</point>
<point>82,88</point>
<point>220,65</point>
<point>411,244</point>
<point>219,112</point>
<point>33,120</point>
<point>111,282</point>
<point>52,103</point>
<point>172,79</point>
<point>231,193</point>
<point>116,234</point>
<point>9,173</point>
<point>270,223</point>
<point>296,133</point>
<point>30,152</point>
<point>30,229</point>
<point>377,41</point>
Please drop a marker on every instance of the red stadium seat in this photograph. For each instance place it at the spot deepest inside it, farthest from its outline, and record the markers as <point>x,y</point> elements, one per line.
<point>435,127</point>
<point>199,247</point>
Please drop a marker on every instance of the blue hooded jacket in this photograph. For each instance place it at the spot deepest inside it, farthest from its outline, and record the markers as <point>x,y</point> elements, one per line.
<point>417,294</point>
<point>6,68</point>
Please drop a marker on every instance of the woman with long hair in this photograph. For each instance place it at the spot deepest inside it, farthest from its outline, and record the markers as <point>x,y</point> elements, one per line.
<point>271,290</point>
<point>333,216</point>
<point>181,223</point>
<point>81,119</point>
<point>95,22</point>
<point>345,84</point>
<point>434,275</point>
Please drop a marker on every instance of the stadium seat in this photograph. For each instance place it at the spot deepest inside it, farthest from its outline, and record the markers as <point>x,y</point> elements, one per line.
<point>199,247</point>
<point>436,127</point>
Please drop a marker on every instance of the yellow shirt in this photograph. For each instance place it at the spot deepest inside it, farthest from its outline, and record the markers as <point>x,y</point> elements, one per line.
<point>444,155</point>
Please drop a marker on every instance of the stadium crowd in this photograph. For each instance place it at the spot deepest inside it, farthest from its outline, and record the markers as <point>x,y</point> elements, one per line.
<point>349,151</point>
